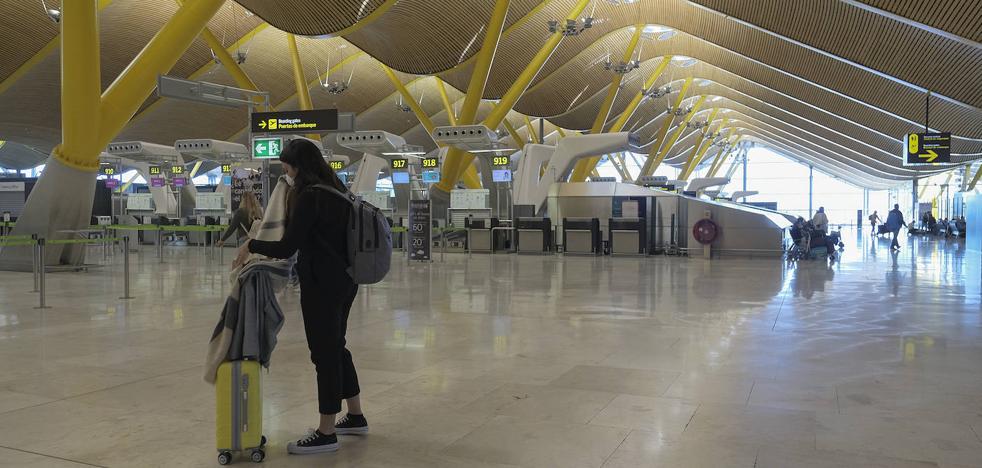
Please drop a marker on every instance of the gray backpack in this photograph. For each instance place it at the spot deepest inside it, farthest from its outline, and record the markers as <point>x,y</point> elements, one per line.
<point>369,240</point>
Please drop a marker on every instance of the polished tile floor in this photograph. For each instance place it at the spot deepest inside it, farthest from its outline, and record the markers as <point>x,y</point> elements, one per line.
<point>493,361</point>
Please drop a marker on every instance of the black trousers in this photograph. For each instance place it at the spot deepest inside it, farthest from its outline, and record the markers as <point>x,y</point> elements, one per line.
<point>326,302</point>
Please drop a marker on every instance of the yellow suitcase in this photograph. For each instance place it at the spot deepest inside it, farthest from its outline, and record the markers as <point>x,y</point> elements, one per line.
<point>239,411</point>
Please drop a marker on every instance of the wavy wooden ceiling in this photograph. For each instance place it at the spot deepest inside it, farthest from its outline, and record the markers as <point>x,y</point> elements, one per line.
<point>800,83</point>
<point>312,17</point>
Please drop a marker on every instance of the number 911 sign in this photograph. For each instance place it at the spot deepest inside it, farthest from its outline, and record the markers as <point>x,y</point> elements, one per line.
<point>420,227</point>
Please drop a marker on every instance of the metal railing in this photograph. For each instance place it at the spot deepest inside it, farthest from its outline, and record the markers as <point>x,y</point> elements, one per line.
<point>39,269</point>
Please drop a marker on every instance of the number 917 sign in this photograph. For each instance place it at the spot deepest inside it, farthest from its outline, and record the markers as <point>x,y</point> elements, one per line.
<point>420,228</point>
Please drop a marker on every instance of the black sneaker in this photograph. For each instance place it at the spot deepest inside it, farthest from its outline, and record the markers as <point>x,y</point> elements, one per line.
<point>352,424</point>
<point>314,442</point>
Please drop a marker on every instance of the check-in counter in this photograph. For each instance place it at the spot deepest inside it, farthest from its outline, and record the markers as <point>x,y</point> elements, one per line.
<point>533,235</point>
<point>480,234</point>
<point>582,236</point>
<point>627,236</point>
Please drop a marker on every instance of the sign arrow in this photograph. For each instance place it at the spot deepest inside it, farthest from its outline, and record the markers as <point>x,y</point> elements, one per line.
<point>930,156</point>
<point>262,124</point>
<point>261,148</point>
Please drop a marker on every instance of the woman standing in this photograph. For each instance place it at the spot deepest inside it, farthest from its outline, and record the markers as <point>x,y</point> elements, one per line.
<point>316,224</point>
<point>248,212</point>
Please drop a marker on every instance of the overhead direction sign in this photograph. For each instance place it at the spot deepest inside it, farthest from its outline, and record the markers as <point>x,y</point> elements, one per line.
<point>308,121</point>
<point>267,148</point>
<point>927,148</point>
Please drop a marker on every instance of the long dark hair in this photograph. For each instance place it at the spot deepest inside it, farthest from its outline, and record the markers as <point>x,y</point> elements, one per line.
<point>311,167</point>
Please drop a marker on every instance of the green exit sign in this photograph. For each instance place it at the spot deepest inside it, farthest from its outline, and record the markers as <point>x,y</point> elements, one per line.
<point>266,148</point>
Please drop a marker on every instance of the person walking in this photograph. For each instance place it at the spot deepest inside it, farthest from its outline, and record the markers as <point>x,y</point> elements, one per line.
<point>316,227</point>
<point>248,212</point>
<point>874,219</point>
<point>895,219</point>
<point>821,220</point>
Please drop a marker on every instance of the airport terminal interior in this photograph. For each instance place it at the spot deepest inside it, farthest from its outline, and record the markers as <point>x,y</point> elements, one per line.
<point>546,233</point>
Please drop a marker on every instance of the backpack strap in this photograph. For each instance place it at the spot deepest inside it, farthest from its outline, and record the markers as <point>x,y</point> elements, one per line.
<point>347,196</point>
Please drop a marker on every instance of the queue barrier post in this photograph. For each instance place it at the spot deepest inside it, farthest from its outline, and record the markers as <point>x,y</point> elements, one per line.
<point>41,269</point>
<point>126,268</point>
<point>34,254</point>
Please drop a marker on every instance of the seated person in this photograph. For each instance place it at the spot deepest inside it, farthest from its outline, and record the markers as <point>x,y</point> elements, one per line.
<point>797,230</point>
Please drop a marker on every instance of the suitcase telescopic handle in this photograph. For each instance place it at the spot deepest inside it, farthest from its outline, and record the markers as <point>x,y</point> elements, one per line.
<point>244,408</point>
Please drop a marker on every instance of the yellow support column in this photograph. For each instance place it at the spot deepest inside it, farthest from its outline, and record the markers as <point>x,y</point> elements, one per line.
<point>719,153</point>
<point>231,66</point>
<point>585,166</point>
<point>633,105</point>
<point>125,95</point>
<point>242,80</point>
<point>446,100</point>
<point>408,98</point>
<point>80,86</point>
<point>695,157</point>
<point>722,161</point>
<point>457,161</point>
<point>675,136</point>
<point>303,93</point>
<point>515,91</point>
<point>470,175</point>
<point>649,167</point>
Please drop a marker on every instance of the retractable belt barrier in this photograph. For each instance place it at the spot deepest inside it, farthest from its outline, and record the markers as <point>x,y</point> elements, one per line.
<point>40,269</point>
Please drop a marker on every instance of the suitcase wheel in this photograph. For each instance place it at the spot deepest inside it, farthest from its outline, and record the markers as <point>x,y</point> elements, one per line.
<point>224,458</point>
<point>258,455</point>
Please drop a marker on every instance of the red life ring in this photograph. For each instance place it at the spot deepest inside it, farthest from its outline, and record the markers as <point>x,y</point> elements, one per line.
<point>705,231</point>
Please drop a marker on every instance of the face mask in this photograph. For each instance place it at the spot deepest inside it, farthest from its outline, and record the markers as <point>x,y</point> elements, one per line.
<point>289,180</point>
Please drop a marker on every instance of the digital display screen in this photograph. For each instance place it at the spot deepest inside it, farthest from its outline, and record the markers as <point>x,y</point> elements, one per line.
<point>336,165</point>
<point>500,161</point>
<point>344,178</point>
<point>431,162</point>
<point>154,170</point>
<point>501,175</point>
<point>399,164</point>
<point>108,170</point>
<point>227,180</point>
<point>177,169</point>
<point>226,169</point>
<point>400,177</point>
<point>431,177</point>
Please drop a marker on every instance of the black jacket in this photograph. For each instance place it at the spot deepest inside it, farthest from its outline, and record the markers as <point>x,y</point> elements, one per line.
<point>317,228</point>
